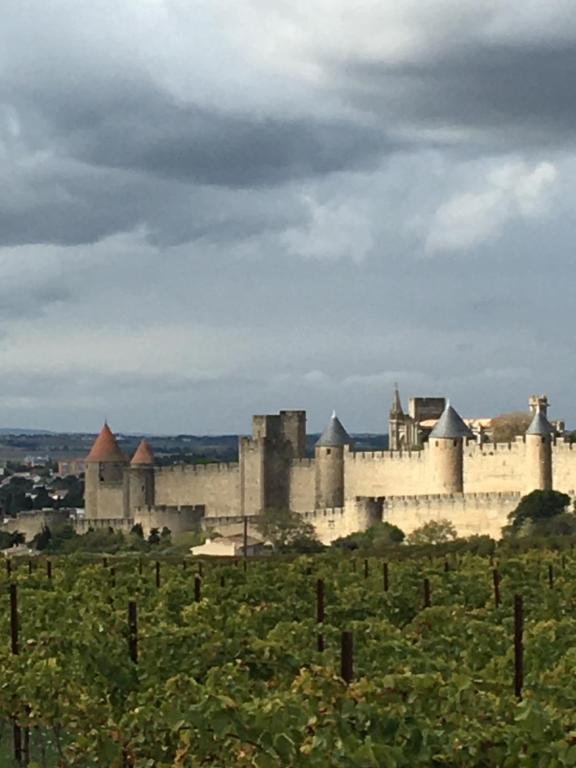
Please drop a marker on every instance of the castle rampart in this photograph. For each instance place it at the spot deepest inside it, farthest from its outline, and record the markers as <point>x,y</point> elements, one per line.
<point>214,486</point>
<point>470,482</point>
<point>470,513</point>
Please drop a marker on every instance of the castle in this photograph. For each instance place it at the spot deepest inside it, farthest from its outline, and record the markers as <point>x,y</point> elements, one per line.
<point>452,474</point>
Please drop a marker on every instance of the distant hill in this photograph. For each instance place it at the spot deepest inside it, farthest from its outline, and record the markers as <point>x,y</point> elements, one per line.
<point>25,431</point>
<point>16,444</point>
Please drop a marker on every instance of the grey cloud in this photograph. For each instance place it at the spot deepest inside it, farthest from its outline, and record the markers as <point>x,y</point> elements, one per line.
<point>504,96</point>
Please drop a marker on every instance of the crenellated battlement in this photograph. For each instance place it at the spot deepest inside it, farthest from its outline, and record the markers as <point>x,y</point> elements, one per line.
<point>199,469</point>
<point>385,456</point>
<point>302,463</point>
<point>493,449</point>
<point>321,514</point>
<point>454,498</point>
<point>562,444</point>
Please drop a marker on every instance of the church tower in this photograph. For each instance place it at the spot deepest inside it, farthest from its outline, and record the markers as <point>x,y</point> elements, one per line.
<point>539,454</point>
<point>446,452</point>
<point>142,479</point>
<point>329,464</point>
<point>107,485</point>
<point>396,421</point>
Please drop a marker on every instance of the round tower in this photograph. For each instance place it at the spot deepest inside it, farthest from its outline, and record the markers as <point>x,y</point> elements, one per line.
<point>539,454</point>
<point>142,480</point>
<point>446,452</point>
<point>106,493</point>
<point>329,465</point>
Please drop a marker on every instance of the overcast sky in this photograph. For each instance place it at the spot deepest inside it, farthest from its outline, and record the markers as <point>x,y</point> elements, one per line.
<point>213,208</point>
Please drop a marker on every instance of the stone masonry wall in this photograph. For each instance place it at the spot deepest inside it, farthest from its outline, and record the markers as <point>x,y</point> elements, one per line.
<point>214,486</point>
<point>385,473</point>
<point>474,513</point>
<point>302,485</point>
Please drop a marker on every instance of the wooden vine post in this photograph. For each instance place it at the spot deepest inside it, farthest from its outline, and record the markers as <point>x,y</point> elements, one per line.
<point>386,572</point>
<point>427,597</point>
<point>496,582</point>
<point>320,612</point>
<point>518,646</point>
<point>133,631</point>
<point>15,649</point>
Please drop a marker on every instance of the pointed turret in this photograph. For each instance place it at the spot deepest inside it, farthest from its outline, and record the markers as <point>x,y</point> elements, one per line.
<point>142,478</point>
<point>446,444</point>
<point>106,448</point>
<point>334,435</point>
<point>538,462</point>
<point>540,425</point>
<point>144,455</point>
<point>450,426</point>
<point>106,493</point>
<point>329,462</point>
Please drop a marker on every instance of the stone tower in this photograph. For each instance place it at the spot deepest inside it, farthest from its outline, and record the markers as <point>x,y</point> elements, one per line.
<point>446,452</point>
<point>266,458</point>
<point>142,479</point>
<point>396,419</point>
<point>107,482</point>
<point>539,454</point>
<point>329,464</point>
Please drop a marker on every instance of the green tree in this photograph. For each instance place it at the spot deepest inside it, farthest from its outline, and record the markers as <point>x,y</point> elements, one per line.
<point>507,426</point>
<point>16,538</point>
<point>137,531</point>
<point>433,532</point>
<point>154,536</point>
<point>288,531</point>
<point>380,535</point>
<point>42,540</point>
<point>541,513</point>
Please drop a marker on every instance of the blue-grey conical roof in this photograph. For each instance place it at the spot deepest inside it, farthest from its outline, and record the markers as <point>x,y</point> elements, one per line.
<point>540,425</point>
<point>334,434</point>
<point>450,425</point>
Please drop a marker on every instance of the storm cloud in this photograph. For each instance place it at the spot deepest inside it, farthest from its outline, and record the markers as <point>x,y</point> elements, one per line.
<point>213,209</point>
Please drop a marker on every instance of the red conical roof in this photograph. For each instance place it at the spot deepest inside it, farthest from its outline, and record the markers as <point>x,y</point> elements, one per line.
<point>144,454</point>
<point>106,447</point>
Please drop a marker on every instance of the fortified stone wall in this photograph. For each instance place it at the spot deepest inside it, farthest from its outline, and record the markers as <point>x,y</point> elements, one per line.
<point>302,485</point>
<point>31,523</point>
<point>493,467</point>
<point>83,525</point>
<point>470,513</point>
<point>385,473</point>
<point>214,486</point>
<point>177,520</point>
<point>334,522</point>
<point>564,466</point>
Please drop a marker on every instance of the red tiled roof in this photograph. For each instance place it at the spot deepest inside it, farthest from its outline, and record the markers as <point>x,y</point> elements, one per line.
<point>144,454</point>
<point>106,448</point>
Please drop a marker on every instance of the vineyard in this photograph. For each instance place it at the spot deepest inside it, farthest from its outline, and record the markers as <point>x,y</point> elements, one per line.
<point>326,661</point>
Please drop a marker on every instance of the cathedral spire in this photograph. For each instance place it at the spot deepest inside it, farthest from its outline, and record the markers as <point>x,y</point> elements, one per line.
<point>396,409</point>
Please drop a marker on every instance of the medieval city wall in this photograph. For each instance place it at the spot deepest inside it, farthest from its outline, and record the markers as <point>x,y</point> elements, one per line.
<point>334,522</point>
<point>214,486</point>
<point>470,513</point>
<point>177,520</point>
<point>564,466</point>
<point>495,467</point>
<point>302,485</point>
<point>385,473</point>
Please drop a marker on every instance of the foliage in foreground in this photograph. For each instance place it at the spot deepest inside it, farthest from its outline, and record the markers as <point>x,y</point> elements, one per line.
<point>236,679</point>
